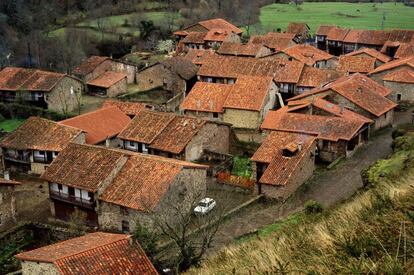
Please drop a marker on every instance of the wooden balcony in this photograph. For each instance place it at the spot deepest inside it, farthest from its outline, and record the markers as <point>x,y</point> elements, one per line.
<point>20,158</point>
<point>57,195</point>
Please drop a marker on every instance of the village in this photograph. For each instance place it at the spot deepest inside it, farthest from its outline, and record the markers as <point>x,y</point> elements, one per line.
<point>221,130</point>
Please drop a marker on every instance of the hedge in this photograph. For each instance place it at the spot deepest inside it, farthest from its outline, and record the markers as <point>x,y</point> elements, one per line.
<point>22,111</point>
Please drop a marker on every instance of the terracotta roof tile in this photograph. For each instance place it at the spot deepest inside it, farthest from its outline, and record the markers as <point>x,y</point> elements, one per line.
<point>83,166</point>
<point>219,23</point>
<point>274,40</point>
<point>359,89</point>
<point>337,34</point>
<point>89,65</point>
<point>129,108</point>
<point>407,61</point>
<point>178,133</point>
<point>146,126</point>
<point>324,29</point>
<point>281,168</point>
<point>355,64</point>
<point>180,66</point>
<point>94,253</point>
<point>402,76</point>
<point>197,56</point>
<point>40,134</point>
<point>217,35</point>
<point>107,79</point>
<point>405,50</point>
<point>232,66</point>
<point>239,49</point>
<point>315,77</point>
<point>146,191</point>
<point>325,127</point>
<point>307,54</point>
<point>297,28</point>
<point>249,93</point>
<point>206,97</point>
<point>100,124</point>
<point>371,52</point>
<point>4,182</point>
<point>194,38</point>
<point>20,79</point>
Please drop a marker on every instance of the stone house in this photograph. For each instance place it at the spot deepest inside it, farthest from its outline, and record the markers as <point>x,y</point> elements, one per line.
<point>108,84</point>
<point>153,196</point>
<point>199,30</point>
<point>321,35</point>
<point>48,90</point>
<point>311,56</point>
<point>283,162</point>
<point>101,127</point>
<point>95,66</point>
<point>212,40</point>
<point>300,29</point>
<point>404,63</point>
<point>275,41</point>
<point>312,77</point>
<point>401,83</point>
<point>93,253</point>
<point>359,94</point>
<point>337,136</point>
<point>36,143</point>
<point>243,104</point>
<point>349,64</point>
<point>244,50</point>
<point>379,57</point>
<point>226,69</point>
<point>7,202</point>
<point>98,182</point>
<point>173,136</point>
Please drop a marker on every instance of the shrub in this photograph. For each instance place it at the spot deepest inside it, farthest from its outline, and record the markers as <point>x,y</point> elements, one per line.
<point>398,133</point>
<point>313,207</point>
<point>23,111</point>
<point>147,240</point>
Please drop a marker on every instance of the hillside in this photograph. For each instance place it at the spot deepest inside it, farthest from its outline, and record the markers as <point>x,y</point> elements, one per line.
<point>372,233</point>
<point>347,15</point>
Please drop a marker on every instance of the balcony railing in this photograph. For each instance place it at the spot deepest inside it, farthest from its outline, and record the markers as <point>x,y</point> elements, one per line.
<point>42,160</point>
<point>71,199</point>
<point>17,157</point>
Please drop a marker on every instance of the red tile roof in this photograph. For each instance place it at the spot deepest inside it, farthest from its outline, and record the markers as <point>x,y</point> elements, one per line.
<point>178,133</point>
<point>4,182</point>
<point>324,29</point>
<point>408,62</point>
<point>369,37</point>
<point>219,23</point>
<point>194,38</point>
<point>89,65</point>
<point>94,253</point>
<point>405,50</point>
<point>219,35</point>
<point>40,134</point>
<point>83,166</point>
<point>281,168</point>
<point>249,93</point>
<point>402,76</point>
<point>239,49</point>
<point>107,79</point>
<point>197,56</point>
<point>206,97</point>
<point>371,52</point>
<point>307,54</point>
<point>20,79</point>
<point>359,89</point>
<point>297,28</point>
<point>146,126</point>
<point>274,40</point>
<point>325,127</point>
<point>355,64</point>
<point>232,66</point>
<point>337,34</point>
<point>100,124</point>
<point>129,108</point>
<point>315,77</point>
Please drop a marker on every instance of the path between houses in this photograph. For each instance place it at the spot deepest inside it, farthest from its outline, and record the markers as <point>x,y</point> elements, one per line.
<point>328,187</point>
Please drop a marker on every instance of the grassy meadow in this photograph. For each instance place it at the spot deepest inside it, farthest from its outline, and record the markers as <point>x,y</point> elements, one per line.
<point>9,125</point>
<point>349,15</point>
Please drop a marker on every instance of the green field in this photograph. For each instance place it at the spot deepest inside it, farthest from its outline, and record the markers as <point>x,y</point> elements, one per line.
<point>349,15</point>
<point>10,124</point>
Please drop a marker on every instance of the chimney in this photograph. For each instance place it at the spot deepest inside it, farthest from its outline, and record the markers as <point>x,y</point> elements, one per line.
<point>6,175</point>
<point>299,146</point>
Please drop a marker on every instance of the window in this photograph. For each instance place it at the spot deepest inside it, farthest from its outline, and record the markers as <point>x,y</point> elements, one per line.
<point>144,148</point>
<point>60,187</point>
<point>398,97</point>
<point>215,115</point>
<point>209,79</point>
<point>123,211</point>
<point>125,226</point>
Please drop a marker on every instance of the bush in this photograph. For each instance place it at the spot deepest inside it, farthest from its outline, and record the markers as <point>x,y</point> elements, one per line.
<point>147,240</point>
<point>2,118</point>
<point>398,132</point>
<point>23,111</point>
<point>313,207</point>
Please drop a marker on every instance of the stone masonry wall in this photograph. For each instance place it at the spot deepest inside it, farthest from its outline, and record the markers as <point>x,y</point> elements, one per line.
<point>63,95</point>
